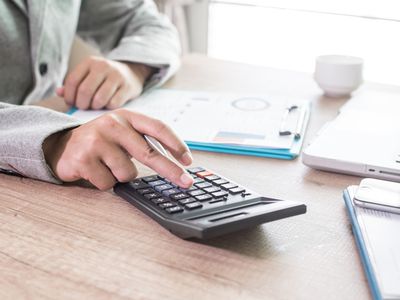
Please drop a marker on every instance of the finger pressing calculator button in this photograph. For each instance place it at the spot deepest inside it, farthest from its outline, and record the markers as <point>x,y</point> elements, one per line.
<point>186,201</point>
<point>228,186</point>
<point>166,205</point>
<point>193,205</point>
<point>195,170</point>
<point>204,197</point>
<point>220,194</point>
<point>138,184</point>
<point>145,191</point>
<point>203,174</point>
<point>179,196</point>
<point>150,178</point>
<point>237,190</point>
<point>174,210</point>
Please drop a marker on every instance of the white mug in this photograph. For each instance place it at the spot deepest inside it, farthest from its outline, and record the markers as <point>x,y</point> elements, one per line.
<point>338,75</point>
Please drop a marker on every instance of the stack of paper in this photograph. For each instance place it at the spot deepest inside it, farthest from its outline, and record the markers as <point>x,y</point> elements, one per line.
<point>225,122</point>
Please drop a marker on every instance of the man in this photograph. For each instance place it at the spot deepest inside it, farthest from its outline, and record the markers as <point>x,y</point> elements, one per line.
<point>141,50</point>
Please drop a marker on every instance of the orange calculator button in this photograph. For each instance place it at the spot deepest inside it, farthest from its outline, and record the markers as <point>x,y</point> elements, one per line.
<point>204,174</point>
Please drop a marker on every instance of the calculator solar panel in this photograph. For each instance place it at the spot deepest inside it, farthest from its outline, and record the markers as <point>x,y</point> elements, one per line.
<point>213,206</point>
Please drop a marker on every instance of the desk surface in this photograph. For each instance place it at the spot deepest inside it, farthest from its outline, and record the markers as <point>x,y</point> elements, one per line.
<point>69,242</point>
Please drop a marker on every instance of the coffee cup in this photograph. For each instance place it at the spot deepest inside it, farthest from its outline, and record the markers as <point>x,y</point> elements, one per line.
<point>338,75</point>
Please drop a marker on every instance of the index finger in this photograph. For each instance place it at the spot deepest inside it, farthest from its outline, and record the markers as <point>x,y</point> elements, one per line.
<point>162,132</point>
<point>73,80</point>
<point>134,143</point>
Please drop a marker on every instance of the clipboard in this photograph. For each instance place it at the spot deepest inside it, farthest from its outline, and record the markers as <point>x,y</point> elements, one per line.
<point>381,275</point>
<point>243,124</point>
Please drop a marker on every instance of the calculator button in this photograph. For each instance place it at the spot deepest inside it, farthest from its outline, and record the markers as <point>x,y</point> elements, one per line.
<point>246,194</point>
<point>212,189</point>
<point>179,196</point>
<point>204,197</point>
<point>220,181</point>
<point>186,201</point>
<point>193,205</point>
<point>198,180</point>
<point>166,205</point>
<point>174,210</point>
<point>157,182</point>
<point>170,192</point>
<point>151,195</point>
<point>228,186</point>
<point>196,192</point>
<point>145,191</point>
<point>204,174</point>
<point>220,194</point>
<point>138,184</point>
<point>192,188</point>
<point>150,178</point>
<point>195,170</point>
<point>237,190</point>
<point>212,177</point>
<point>170,183</point>
<point>159,200</point>
<point>203,185</point>
<point>163,187</point>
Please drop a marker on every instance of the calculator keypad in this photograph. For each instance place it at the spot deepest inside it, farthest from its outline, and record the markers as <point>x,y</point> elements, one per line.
<point>208,188</point>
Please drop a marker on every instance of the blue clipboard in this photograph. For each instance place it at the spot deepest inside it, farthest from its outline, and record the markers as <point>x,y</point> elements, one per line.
<point>286,154</point>
<point>348,195</point>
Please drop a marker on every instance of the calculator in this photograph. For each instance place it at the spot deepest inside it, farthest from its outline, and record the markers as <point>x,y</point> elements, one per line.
<point>213,206</point>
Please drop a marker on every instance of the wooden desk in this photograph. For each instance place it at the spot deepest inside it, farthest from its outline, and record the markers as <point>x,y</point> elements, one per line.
<point>69,242</point>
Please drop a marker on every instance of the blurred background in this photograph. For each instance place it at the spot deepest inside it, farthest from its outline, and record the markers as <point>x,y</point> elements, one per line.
<point>289,34</point>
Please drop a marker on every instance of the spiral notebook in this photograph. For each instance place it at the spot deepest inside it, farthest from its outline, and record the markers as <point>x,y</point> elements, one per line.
<point>260,125</point>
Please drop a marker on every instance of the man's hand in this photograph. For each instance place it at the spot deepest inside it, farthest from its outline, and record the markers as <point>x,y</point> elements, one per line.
<point>98,83</point>
<point>100,151</point>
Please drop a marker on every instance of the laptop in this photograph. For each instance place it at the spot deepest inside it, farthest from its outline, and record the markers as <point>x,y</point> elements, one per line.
<point>363,140</point>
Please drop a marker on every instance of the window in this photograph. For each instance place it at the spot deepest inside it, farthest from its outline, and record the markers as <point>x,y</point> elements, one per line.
<point>289,34</point>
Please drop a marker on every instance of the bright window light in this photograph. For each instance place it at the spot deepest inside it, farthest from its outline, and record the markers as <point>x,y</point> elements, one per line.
<point>289,35</point>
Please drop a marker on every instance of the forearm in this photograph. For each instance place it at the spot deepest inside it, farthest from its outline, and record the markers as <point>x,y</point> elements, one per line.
<point>23,130</point>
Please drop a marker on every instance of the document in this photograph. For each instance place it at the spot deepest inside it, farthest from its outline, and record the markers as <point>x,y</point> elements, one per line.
<point>210,118</point>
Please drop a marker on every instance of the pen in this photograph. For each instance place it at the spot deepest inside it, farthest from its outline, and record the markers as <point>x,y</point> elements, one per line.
<point>155,145</point>
<point>300,122</point>
<point>282,129</point>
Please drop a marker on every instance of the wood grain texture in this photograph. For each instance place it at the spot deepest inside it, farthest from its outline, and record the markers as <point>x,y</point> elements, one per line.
<point>72,242</point>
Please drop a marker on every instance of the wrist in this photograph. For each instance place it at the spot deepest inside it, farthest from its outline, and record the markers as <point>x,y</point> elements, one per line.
<point>143,72</point>
<point>52,148</point>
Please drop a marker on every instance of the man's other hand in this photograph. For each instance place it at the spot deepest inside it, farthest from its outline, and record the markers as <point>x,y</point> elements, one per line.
<point>98,83</point>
